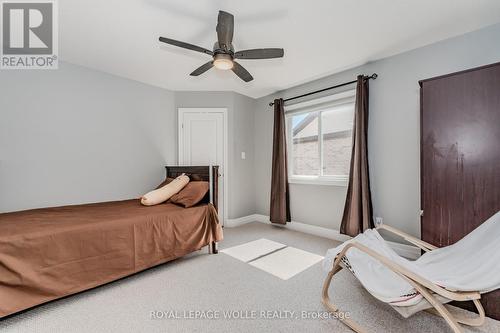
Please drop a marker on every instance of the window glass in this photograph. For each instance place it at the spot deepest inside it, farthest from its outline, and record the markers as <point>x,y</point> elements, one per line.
<point>305,144</point>
<point>337,126</point>
<point>320,142</point>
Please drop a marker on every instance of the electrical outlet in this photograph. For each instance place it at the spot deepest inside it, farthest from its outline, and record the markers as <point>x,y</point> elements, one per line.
<point>378,221</point>
<point>243,155</point>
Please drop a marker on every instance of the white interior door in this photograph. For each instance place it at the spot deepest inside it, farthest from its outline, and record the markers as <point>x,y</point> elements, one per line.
<point>202,141</point>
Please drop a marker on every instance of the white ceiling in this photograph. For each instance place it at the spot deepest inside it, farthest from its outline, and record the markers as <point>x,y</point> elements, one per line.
<point>320,37</point>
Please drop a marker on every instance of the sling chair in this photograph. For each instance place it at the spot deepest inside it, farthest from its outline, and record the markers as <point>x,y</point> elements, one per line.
<point>459,272</point>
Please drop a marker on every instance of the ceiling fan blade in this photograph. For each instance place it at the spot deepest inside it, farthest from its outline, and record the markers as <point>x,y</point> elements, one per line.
<point>185,45</point>
<point>225,30</point>
<point>260,54</point>
<point>202,69</point>
<point>241,72</point>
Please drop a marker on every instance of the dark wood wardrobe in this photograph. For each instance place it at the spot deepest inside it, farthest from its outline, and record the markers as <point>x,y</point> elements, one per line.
<point>460,157</point>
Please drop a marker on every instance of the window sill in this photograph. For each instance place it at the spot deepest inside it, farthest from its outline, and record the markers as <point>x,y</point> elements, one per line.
<point>324,181</point>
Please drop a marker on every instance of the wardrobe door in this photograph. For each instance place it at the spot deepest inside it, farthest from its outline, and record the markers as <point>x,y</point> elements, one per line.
<point>460,156</point>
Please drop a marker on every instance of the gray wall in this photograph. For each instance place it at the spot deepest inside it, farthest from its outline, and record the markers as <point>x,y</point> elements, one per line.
<point>75,135</point>
<point>241,197</point>
<point>394,151</point>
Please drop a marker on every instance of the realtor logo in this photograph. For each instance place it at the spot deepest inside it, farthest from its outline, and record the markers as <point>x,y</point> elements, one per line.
<point>29,35</point>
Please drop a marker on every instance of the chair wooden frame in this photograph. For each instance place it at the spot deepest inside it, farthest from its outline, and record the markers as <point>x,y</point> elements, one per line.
<point>425,287</point>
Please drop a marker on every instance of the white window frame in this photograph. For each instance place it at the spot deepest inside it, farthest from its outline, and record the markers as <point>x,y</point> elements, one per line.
<point>346,97</point>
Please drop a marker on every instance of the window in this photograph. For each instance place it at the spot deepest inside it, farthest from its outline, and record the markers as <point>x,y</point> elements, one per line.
<point>319,135</point>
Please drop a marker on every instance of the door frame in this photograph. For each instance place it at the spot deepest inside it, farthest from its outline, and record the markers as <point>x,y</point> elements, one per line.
<point>180,145</point>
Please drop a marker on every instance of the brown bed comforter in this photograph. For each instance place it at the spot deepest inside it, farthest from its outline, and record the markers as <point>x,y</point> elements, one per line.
<point>49,253</point>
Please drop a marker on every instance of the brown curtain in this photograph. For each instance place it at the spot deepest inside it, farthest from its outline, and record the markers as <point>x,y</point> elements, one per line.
<point>358,212</point>
<point>280,199</point>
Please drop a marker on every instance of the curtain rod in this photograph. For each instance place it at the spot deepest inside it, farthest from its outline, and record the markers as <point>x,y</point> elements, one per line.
<point>373,76</point>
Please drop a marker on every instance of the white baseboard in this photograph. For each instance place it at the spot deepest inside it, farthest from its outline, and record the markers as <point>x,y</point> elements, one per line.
<point>407,251</point>
<point>307,228</point>
<point>231,223</point>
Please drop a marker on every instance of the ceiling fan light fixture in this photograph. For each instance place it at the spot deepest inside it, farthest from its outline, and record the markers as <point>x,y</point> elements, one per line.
<point>223,51</point>
<point>223,61</point>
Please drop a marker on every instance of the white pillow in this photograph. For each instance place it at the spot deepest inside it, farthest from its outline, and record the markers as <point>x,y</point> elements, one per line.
<point>164,193</point>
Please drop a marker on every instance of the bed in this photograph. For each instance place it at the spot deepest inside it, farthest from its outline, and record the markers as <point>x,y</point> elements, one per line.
<point>49,253</point>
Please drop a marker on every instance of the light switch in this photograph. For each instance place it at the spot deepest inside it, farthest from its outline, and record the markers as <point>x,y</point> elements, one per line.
<point>243,155</point>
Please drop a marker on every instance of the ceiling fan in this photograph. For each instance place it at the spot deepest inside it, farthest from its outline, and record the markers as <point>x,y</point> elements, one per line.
<point>223,51</point>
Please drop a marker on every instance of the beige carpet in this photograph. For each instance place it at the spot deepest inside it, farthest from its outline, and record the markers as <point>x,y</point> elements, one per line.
<point>215,284</point>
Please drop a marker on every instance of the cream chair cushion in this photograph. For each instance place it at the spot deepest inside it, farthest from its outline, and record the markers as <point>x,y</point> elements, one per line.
<point>164,193</point>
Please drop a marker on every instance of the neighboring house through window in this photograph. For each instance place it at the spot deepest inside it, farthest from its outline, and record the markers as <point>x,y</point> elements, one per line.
<point>319,135</point>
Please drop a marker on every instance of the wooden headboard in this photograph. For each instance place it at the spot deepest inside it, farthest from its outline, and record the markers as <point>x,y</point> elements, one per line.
<point>200,173</point>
